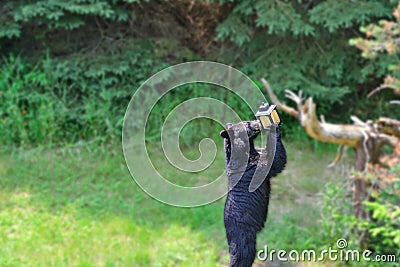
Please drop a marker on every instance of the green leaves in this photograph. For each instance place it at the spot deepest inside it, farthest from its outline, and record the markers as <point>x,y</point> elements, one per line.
<point>53,14</point>
<point>385,227</point>
<point>9,29</point>
<point>277,17</point>
<point>96,45</point>
<point>333,14</point>
<point>297,18</point>
<point>67,99</point>
<point>303,45</point>
<point>380,44</point>
<point>235,29</point>
<point>281,16</point>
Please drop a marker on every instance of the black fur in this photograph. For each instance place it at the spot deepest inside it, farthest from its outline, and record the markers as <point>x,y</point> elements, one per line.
<point>246,212</point>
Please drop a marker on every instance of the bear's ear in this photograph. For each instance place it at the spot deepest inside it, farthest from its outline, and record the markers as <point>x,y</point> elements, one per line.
<point>224,134</point>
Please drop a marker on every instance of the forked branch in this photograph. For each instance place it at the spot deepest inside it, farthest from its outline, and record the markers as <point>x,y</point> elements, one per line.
<point>352,135</point>
<point>366,138</point>
<point>276,101</point>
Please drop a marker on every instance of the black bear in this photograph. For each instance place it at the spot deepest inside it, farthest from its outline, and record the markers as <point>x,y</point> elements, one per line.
<point>246,212</point>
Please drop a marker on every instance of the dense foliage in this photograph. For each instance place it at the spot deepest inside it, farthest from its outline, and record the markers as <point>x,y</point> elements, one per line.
<point>383,38</point>
<point>303,45</point>
<point>384,220</point>
<point>70,67</point>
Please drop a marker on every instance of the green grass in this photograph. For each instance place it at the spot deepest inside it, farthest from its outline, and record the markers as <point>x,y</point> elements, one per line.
<point>78,206</point>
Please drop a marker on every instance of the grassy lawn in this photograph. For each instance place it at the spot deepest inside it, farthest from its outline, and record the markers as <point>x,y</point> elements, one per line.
<point>79,206</point>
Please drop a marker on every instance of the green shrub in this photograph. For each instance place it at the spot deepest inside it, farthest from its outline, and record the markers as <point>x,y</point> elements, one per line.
<point>63,100</point>
<point>382,228</point>
<point>60,101</point>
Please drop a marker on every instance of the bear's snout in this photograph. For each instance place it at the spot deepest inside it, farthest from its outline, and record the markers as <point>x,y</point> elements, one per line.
<point>255,125</point>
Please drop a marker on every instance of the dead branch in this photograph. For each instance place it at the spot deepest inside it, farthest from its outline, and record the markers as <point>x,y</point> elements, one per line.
<point>354,135</point>
<point>276,101</point>
<point>339,154</point>
<point>298,99</point>
<point>366,138</point>
<point>349,135</point>
<point>388,126</point>
<point>382,87</point>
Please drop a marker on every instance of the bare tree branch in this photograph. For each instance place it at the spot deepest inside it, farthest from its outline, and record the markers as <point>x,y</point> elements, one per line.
<point>366,138</point>
<point>276,101</point>
<point>388,126</point>
<point>338,156</point>
<point>382,87</point>
<point>349,135</point>
<point>296,98</point>
<point>353,135</point>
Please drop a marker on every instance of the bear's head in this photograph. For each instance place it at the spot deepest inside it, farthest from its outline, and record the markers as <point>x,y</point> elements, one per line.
<point>239,141</point>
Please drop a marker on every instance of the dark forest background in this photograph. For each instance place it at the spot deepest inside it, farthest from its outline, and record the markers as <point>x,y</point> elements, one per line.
<point>69,68</point>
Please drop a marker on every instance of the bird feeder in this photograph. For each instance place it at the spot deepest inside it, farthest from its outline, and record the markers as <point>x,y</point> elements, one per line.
<point>267,115</point>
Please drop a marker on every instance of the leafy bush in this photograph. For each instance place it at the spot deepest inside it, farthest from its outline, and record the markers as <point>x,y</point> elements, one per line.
<point>381,228</point>
<point>384,227</point>
<point>59,101</point>
<point>384,224</point>
<point>382,44</point>
<point>64,100</point>
<point>28,113</point>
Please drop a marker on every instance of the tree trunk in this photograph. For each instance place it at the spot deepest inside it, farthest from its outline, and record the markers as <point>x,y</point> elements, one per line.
<point>361,186</point>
